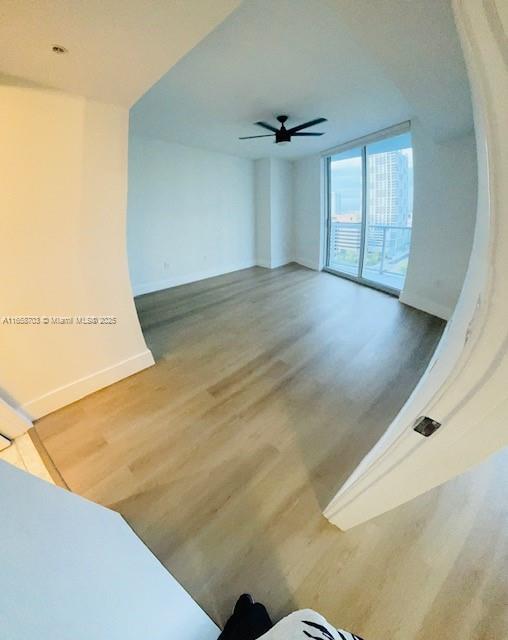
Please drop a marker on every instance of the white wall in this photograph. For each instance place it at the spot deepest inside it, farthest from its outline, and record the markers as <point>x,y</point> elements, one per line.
<point>445,188</point>
<point>73,569</point>
<point>190,214</point>
<point>281,212</point>
<point>274,212</point>
<point>307,212</point>
<point>63,162</point>
<point>443,227</point>
<point>263,212</point>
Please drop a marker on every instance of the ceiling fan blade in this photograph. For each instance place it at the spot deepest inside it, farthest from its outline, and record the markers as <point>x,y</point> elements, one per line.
<point>306,134</point>
<point>268,135</point>
<point>265,125</point>
<point>311,123</point>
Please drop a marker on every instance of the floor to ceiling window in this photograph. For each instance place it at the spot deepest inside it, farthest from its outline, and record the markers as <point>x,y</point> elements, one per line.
<point>370,210</point>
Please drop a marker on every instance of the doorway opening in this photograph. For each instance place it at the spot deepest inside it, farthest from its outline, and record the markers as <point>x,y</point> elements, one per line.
<point>370,209</point>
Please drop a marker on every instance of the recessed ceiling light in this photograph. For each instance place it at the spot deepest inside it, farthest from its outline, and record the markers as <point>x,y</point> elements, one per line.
<point>57,48</point>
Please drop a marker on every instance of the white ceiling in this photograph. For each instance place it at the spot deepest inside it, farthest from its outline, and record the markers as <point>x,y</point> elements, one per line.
<point>363,64</point>
<point>117,48</point>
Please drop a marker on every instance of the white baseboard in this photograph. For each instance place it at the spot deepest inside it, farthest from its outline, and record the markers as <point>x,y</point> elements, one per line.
<point>13,422</point>
<point>282,262</point>
<point>88,384</point>
<point>424,304</point>
<point>310,264</point>
<point>275,264</point>
<point>176,281</point>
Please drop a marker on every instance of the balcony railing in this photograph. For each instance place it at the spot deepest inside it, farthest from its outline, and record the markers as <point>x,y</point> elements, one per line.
<point>386,251</point>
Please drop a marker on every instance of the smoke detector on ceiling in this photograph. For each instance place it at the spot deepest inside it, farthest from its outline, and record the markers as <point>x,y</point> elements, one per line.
<point>58,49</point>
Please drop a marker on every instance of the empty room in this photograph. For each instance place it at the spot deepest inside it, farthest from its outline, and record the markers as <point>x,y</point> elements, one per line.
<point>253,319</point>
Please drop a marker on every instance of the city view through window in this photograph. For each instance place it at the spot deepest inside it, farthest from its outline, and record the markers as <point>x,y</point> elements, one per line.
<point>371,240</point>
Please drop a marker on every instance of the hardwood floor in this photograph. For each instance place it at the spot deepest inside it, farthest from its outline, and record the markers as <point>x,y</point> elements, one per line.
<point>269,388</point>
<point>22,453</point>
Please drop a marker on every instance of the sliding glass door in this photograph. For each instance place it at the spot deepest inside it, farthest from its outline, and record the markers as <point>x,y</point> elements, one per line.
<point>370,212</point>
<point>345,212</point>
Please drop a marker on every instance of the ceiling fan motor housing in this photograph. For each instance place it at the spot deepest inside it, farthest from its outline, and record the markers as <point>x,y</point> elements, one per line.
<point>282,135</point>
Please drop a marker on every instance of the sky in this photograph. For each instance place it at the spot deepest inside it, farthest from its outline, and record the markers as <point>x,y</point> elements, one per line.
<point>346,179</point>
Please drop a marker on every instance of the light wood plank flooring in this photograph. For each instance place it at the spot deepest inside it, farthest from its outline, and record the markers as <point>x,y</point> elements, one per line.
<point>24,455</point>
<point>269,388</point>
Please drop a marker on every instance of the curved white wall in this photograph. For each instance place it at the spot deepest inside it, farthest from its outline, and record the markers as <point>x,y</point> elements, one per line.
<point>445,191</point>
<point>63,162</point>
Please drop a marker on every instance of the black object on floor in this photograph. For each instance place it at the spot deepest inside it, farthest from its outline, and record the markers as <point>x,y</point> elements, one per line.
<point>249,621</point>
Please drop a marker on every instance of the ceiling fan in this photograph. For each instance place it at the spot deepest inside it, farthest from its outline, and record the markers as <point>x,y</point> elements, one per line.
<point>283,135</point>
